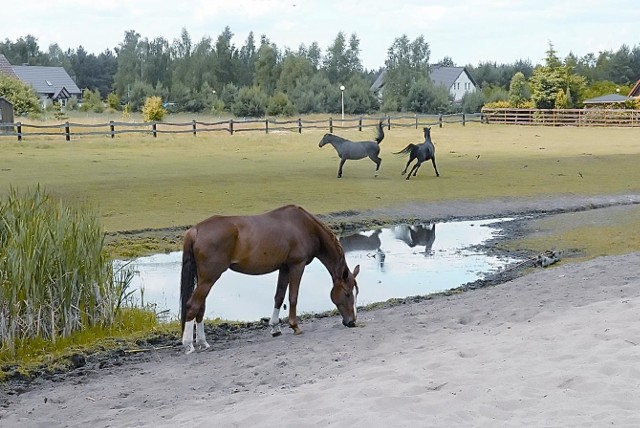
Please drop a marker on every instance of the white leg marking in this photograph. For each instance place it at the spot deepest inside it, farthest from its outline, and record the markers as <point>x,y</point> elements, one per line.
<point>201,340</point>
<point>187,337</point>
<point>275,323</point>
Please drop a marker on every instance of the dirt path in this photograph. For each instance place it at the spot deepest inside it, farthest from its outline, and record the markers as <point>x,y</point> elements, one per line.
<point>555,347</point>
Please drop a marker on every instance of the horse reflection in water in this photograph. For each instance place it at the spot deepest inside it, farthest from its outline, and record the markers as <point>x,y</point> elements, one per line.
<point>415,235</point>
<point>361,242</point>
<point>285,239</point>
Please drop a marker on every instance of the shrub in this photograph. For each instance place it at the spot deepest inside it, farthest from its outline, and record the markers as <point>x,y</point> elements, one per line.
<point>22,96</point>
<point>280,105</point>
<point>250,102</point>
<point>153,110</point>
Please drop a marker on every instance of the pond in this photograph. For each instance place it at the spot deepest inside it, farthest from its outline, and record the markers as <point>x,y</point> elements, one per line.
<point>395,262</point>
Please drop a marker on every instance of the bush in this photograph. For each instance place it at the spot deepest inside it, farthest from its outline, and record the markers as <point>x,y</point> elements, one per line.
<point>250,102</point>
<point>153,110</point>
<point>23,97</point>
<point>280,105</point>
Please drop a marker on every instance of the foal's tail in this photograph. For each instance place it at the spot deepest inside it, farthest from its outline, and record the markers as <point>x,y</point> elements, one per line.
<point>188,278</point>
<point>380,135</point>
<point>406,150</point>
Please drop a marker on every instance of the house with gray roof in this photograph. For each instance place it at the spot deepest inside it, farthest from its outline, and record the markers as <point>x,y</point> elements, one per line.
<point>50,83</point>
<point>457,80</point>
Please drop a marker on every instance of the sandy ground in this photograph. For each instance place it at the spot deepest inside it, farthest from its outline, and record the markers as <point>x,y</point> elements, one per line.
<point>556,347</point>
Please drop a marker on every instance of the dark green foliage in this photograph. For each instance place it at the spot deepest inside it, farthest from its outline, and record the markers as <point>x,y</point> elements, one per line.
<point>250,102</point>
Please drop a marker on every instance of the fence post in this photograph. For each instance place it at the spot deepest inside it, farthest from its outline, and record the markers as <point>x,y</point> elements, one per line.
<point>19,127</point>
<point>193,126</point>
<point>331,125</point>
<point>463,119</point>
<point>67,132</point>
<point>154,130</point>
<point>388,122</point>
<point>440,120</point>
<point>360,124</point>
<point>299,125</point>
<point>231,126</point>
<point>266,126</point>
<point>112,129</point>
<point>416,120</point>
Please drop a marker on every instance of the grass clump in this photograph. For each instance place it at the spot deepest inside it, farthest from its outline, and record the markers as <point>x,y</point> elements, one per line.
<point>55,278</point>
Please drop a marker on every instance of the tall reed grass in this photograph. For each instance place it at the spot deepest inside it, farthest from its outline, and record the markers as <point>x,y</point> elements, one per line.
<point>55,278</point>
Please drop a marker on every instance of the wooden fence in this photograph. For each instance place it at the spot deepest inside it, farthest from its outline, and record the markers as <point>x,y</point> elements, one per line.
<point>563,117</point>
<point>231,126</point>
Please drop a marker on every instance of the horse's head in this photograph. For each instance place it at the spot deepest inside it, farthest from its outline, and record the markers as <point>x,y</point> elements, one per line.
<point>325,140</point>
<point>344,295</point>
<point>427,133</point>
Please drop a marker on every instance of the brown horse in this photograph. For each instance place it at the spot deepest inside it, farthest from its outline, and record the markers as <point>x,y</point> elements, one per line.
<point>285,239</point>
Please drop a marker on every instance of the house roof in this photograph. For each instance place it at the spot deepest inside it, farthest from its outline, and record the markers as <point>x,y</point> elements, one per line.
<point>444,76</point>
<point>6,67</point>
<point>47,80</point>
<point>635,91</point>
<point>607,99</point>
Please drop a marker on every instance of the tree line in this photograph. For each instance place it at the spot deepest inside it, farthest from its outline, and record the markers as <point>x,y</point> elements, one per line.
<point>259,78</point>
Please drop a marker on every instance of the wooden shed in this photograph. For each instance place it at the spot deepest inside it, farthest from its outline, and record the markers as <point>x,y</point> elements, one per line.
<point>6,111</point>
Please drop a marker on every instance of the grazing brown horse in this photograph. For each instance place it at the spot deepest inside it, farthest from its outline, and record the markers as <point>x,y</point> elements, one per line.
<point>285,239</point>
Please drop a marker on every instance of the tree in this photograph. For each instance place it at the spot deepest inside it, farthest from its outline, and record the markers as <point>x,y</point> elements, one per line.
<point>562,101</point>
<point>518,92</point>
<point>267,70</point>
<point>425,97</point>
<point>549,79</point>
<point>129,66</point>
<point>407,62</point>
<point>153,110</point>
<point>23,97</point>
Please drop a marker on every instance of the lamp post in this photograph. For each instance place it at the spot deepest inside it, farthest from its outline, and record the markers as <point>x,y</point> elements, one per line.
<point>342,101</point>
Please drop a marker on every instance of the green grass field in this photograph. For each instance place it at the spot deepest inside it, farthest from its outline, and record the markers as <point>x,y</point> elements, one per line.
<point>140,182</point>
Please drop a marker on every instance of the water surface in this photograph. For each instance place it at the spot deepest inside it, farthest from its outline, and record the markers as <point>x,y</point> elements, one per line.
<point>399,261</point>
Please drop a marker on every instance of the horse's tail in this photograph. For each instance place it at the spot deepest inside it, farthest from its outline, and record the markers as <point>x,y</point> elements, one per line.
<point>188,278</point>
<point>406,150</point>
<point>380,135</point>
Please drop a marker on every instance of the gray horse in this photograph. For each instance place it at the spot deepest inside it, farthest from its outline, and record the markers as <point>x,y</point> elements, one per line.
<point>422,152</point>
<point>355,150</point>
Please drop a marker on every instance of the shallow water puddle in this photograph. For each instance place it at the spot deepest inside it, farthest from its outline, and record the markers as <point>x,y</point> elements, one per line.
<point>399,261</point>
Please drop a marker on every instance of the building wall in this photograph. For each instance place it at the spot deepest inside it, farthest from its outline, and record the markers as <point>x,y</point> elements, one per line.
<point>461,86</point>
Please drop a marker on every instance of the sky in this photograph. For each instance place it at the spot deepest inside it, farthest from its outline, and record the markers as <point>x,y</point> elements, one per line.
<point>469,32</point>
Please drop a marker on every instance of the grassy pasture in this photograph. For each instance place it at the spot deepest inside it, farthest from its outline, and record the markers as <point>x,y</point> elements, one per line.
<point>139,182</point>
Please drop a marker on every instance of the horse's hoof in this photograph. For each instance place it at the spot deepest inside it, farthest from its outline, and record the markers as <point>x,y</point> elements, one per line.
<point>203,346</point>
<point>297,331</point>
<point>189,349</point>
<point>276,333</point>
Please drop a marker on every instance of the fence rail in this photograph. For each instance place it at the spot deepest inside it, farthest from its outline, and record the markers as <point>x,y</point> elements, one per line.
<point>231,126</point>
<point>563,117</point>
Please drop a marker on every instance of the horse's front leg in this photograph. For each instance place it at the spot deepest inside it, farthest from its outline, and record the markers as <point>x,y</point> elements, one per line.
<point>195,316</point>
<point>342,161</point>
<point>295,275</point>
<point>433,161</point>
<point>281,289</point>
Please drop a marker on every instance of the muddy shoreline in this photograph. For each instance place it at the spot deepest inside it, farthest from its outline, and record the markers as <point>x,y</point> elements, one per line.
<point>155,348</point>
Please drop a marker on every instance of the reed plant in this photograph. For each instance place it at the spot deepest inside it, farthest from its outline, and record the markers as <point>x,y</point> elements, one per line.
<point>55,278</point>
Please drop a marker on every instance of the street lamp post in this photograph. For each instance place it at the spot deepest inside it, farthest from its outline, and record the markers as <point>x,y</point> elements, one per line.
<point>342,101</point>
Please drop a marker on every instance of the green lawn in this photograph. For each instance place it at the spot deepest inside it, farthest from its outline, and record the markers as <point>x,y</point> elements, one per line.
<point>140,182</point>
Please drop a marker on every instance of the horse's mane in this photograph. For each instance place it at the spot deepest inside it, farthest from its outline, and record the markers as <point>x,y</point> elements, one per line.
<point>328,232</point>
